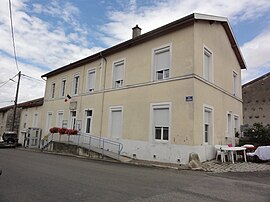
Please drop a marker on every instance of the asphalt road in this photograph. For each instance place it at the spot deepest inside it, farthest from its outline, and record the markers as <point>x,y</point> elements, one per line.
<point>33,176</point>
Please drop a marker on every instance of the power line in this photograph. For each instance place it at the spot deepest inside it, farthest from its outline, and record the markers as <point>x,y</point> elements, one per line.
<point>30,77</point>
<point>5,82</point>
<point>12,35</point>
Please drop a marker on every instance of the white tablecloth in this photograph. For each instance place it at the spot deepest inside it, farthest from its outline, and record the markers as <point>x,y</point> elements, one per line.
<point>263,153</point>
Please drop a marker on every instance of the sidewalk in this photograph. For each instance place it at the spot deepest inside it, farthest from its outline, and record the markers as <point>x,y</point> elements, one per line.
<point>208,166</point>
<point>218,167</point>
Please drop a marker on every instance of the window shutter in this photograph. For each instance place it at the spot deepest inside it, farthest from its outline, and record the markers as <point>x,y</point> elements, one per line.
<point>116,123</point>
<point>91,80</point>
<point>162,59</point>
<point>118,71</point>
<point>161,117</point>
<point>207,117</point>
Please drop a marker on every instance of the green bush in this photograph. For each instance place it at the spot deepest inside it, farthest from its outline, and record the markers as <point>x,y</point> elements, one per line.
<point>258,135</point>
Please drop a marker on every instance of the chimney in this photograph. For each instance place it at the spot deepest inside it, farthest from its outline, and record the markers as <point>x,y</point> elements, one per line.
<point>136,31</point>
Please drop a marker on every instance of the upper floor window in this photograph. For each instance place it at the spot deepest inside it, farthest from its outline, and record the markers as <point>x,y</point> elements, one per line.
<point>76,80</point>
<point>53,90</point>
<point>207,66</point>
<point>63,87</point>
<point>235,83</point>
<point>118,74</point>
<point>162,63</point>
<point>91,80</point>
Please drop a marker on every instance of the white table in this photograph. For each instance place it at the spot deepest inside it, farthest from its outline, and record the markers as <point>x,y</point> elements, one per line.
<point>231,150</point>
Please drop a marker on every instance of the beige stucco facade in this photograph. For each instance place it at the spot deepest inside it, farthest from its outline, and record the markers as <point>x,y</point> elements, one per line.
<point>186,93</point>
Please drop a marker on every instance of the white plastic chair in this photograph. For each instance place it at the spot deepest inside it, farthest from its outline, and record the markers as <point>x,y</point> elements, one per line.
<point>220,153</point>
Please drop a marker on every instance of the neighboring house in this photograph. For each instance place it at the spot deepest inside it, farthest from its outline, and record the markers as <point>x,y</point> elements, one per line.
<point>256,101</point>
<point>28,114</point>
<point>163,94</point>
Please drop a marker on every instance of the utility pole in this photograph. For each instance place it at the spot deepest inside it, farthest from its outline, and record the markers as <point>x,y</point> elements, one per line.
<point>15,102</point>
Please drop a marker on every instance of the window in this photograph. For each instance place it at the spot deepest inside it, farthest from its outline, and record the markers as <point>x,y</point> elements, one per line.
<point>235,83</point>
<point>207,66</point>
<point>91,80</point>
<point>88,120</point>
<point>35,117</point>
<point>49,121</point>
<point>53,90</point>
<point>116,122</point>
<point>162,63</point>
<point>63,87</point>
<point>76,84</point>
<point>118,74</point>
<point>161,122</point>
<point>25,121</point>
<point>73,120</point>
<point>229,125</point>
<point>236,124</point>
<point>208,126</point>
<point>60,117</point>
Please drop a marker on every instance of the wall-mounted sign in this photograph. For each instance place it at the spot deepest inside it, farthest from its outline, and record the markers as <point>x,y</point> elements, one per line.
<point>189,98</point>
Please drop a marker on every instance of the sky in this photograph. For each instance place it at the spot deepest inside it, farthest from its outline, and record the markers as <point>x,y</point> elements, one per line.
<point>49,34</point>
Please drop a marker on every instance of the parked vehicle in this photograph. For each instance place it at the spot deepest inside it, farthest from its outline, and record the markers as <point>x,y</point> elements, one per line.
<point>10,137</point>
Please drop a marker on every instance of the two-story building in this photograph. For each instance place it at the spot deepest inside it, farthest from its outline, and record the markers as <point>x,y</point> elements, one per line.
<point>163,94</point>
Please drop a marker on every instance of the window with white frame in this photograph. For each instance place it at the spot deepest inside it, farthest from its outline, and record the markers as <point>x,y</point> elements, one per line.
<point>60,118</point>
<point>161,122</point>
<point>25,121</point>
<point>229,125</point>
<point>235,83</point>
<point>76,81</point>
<point>35,119</point>
<point>116,122</point>
<point>53,90</point>
<point>73,120</point>
<point>207,66</point>
<point>208,125</point>
<point>63,87</point>
<point>49,121</point>
<point>91,80</point>
<point>162,63</point>
<point>236,124</point>
<point>118,74</point>
<point>88,120</point>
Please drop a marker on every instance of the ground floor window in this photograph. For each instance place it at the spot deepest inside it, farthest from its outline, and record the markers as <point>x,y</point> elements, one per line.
<point>73,120</point>
<point>208,124</point>
<point>161,122</point>
<point>49,121</point>
<point>88,120</point>
<point>116,121</point>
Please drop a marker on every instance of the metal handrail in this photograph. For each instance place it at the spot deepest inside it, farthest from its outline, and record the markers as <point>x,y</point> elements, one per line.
<point>79,139</point>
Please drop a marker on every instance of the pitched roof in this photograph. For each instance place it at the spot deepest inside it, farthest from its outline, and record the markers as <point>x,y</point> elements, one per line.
<point>30,103</point>
<point>176,25</point>
<point>257,79</point>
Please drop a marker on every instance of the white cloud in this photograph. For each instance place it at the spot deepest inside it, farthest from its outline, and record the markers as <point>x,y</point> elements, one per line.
<point>39,42</point>
<point>256,53</point>
<point>162,12</point>
<point>29,88</point>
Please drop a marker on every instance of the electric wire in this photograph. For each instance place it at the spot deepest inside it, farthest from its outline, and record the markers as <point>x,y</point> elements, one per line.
<point>30,77</point>
<point>12,35</point>
<point>5,82</point>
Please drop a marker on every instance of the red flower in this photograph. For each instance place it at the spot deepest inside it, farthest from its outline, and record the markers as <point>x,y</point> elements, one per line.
<point>54,130</point>
<point>62,131</point>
